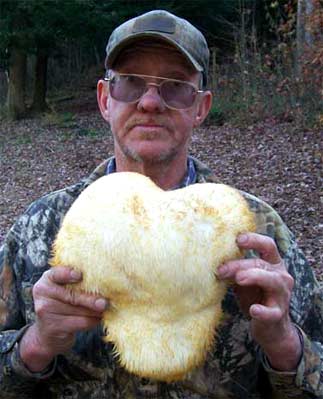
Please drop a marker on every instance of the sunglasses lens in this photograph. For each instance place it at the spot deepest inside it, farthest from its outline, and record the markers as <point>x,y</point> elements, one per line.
<point>127,88</point>
<point>178,95</point>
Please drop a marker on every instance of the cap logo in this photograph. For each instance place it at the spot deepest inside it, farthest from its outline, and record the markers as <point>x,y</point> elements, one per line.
<point>154,23</point>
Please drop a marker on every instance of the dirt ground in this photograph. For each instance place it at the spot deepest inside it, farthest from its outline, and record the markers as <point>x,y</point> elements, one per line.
<point>278,162</point>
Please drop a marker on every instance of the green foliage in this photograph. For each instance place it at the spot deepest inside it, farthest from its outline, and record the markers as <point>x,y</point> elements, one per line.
<point>84,132</point>
<point>47,24</point>
<point>67,135</point>
<point>23,140</point>
<point>254,73</point>
<point>68,122</point>
<point>59,119</point>
<point>217,114</point>
<point>262,80</point>
<point>3,113</point>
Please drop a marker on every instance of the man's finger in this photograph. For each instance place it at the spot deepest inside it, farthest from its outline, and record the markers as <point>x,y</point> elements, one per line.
<point>47,291</point>
<point>231,268</point>
<point>265,314</point>
<point>63,275</point>
<point>264,245</point>
<point>268,280</point>
<point>44,308</point>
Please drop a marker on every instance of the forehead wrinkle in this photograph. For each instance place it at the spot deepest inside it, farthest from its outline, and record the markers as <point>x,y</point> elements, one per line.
<point>161,49</point>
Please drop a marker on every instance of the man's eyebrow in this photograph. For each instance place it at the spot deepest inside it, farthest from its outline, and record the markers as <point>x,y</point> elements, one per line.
<point>180,75</point>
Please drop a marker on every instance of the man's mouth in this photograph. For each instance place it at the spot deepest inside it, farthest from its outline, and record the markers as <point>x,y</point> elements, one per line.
<point>146,125</point>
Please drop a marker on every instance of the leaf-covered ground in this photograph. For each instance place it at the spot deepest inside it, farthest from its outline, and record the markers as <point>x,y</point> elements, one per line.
<point>277,162</point>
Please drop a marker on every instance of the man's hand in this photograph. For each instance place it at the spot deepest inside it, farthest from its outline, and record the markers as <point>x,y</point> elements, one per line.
<point>263,288</point>
<point>60,313</point>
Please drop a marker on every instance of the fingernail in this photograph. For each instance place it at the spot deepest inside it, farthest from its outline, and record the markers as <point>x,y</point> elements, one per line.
<point>76,275</point>
<point>242,238</point>
<point>255,311</point>
<point>240,278</point>
<point>101,304</point>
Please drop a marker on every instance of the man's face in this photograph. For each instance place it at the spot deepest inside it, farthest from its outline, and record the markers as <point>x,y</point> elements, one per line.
<point>148,131</point>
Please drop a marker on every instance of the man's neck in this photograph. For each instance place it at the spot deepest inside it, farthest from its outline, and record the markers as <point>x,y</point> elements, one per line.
<point>166,175</point>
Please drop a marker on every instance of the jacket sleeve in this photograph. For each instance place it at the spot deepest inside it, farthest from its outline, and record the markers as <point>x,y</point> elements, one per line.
<point>15,378</point>
<point>306,311</point>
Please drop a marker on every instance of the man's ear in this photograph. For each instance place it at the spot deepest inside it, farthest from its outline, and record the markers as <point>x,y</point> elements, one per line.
<point>203,107</point>
<point>102,97</point>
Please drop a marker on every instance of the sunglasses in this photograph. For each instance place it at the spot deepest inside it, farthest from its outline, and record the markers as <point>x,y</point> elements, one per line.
<point>129,88</point>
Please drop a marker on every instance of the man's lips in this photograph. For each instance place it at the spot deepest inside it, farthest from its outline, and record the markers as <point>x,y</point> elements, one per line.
<point>146,124</point>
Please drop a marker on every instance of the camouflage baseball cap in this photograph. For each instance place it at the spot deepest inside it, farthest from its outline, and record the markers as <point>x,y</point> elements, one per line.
<point>163,25</point>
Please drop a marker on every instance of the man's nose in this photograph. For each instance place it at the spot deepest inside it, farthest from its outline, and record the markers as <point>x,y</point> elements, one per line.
<point>151,100</point>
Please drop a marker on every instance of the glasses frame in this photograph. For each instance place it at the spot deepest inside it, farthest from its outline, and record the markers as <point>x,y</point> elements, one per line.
<point>108,79</point>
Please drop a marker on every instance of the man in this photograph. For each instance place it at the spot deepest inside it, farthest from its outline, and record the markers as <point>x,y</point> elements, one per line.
<point>270,342</point>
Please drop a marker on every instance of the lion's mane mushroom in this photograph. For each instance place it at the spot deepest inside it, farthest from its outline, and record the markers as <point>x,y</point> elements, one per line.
<point>154,255</point>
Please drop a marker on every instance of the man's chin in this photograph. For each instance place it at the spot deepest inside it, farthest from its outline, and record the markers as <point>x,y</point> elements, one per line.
<point>150,155</point>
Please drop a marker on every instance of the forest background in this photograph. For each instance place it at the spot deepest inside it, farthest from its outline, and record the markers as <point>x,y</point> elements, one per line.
<point>265,73</point>
<point>266,56</point>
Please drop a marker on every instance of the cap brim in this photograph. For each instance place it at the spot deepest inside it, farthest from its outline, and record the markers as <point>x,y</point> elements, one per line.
<point>113,54</point>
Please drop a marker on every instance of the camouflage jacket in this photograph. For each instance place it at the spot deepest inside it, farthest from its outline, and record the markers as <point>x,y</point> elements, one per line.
<point>235,368</point>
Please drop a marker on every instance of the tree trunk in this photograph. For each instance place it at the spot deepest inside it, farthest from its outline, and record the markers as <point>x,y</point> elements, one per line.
<point>304,36</point>
<point>40,85</point>
<point>300,32</point>
<point>309,8</point>
<point>16,107</point>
